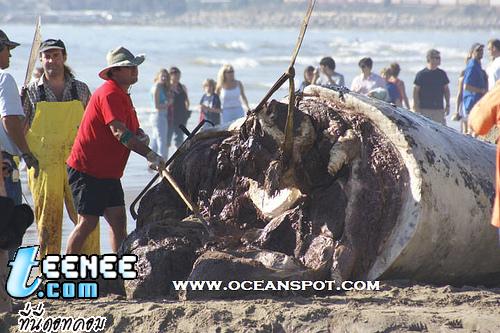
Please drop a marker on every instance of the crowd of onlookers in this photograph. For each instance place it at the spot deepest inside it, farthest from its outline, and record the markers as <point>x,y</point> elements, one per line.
<point>223,100</point>
<point>431,93</point>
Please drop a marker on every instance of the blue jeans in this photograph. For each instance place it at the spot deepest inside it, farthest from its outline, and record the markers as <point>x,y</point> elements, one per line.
<point>159,122</point>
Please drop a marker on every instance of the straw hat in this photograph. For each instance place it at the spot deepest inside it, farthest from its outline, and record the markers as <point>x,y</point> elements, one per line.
<point>120,57</point>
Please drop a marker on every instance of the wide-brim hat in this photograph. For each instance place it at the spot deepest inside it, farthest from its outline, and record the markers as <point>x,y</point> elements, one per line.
<point>4,40</point>
<point>120,57</point>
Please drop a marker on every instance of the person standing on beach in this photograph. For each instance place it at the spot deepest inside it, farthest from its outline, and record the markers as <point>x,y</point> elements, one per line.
<point>431,87</point>
<point>210,103</point>
<point>12,138</point>
<point>475,84</point>
<point>326,76</point>
<point>231,94</point>
<point>493,69</point>
<point>108,132</point>
<point>459,100</point>
<point>395,70</point>
<point>162,100</point>
<point>179,112</point>
<point>54,107</point>
<point>367,81</point>
<point>393,95</point>
<point>484,115</point>
<point>10,107</point>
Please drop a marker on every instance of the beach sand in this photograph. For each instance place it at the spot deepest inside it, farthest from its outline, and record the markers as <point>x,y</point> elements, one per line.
<point>397,307</point>
<point>400,306</point>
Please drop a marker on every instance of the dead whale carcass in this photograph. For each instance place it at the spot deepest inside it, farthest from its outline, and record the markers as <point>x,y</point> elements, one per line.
<point>370,192</point>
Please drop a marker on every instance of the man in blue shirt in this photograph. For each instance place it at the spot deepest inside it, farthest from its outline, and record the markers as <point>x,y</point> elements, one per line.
<point>475,83</point>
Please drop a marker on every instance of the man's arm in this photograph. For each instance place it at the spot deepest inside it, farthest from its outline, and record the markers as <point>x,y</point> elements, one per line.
<point>134,143</point>
<point>14,126</point>
<point>416,98</point>
<point>447,99</point>
<point>127,138</point>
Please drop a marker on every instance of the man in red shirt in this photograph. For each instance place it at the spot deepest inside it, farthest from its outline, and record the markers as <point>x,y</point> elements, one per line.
<point>108,132</point>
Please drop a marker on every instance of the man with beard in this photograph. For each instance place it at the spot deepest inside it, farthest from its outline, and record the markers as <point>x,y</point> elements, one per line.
<point>54,107</point>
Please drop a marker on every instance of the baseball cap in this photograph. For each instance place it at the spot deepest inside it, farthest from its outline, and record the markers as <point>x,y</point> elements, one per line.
<point>475,47</point>
<point>4,40</point>
<point>51,44</point>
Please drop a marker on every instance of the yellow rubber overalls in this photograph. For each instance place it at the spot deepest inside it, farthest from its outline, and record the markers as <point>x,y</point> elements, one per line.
<point>50,138</point>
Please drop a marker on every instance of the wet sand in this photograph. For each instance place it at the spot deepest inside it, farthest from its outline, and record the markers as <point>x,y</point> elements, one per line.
<point>397,307</point>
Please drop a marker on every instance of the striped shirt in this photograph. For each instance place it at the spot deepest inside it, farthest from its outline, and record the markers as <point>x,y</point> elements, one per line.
<point>34,96</point>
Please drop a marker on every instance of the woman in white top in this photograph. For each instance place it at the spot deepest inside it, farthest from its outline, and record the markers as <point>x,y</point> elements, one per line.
<point>231,94</point>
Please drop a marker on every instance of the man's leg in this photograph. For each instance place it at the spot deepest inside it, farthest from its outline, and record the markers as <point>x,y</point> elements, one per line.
<point>92,244</point>
<point>86,224</point>
<point>117,219</point>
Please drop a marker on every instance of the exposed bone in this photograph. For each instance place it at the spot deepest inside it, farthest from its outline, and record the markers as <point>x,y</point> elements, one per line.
<point>272,206</point>
<point>343,152</point>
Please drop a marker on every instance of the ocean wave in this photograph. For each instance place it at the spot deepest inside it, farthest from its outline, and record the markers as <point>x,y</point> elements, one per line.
<point>235,45</point>
<point>285,59</point>
<point>348,50</point>
<point>238,63</point>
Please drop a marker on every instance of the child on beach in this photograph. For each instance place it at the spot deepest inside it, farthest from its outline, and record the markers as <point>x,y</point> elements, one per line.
<point>308,78</point>
<point>393,95</point>
<point>210,107</point>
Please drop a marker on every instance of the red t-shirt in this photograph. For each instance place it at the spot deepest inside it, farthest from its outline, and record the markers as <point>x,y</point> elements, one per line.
<point>96,151</point>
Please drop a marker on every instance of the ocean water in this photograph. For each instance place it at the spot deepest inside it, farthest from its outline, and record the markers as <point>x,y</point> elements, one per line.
<point>259,57</point>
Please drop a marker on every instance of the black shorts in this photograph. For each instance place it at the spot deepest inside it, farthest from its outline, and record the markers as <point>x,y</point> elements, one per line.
<point>93,195</point>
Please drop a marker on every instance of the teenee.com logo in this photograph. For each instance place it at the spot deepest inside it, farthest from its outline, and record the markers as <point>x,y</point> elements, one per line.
<point>66,276</point>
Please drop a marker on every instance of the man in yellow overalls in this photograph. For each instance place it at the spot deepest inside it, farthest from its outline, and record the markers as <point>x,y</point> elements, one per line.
<point>54,109</point>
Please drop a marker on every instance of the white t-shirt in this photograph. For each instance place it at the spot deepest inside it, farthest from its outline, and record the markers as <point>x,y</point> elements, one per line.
<point>493,71</point>
<point>10,105</point>
<point>364,86</point>
<point>337,78</point>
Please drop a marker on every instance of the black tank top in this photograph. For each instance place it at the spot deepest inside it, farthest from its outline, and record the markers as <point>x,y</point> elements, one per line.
<point>180,98</point>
